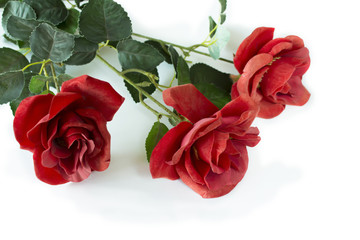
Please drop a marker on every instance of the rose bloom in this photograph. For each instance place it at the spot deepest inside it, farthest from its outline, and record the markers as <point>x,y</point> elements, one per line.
<point>209,152</point>
<point>67,132</point>
<point>271,71</point>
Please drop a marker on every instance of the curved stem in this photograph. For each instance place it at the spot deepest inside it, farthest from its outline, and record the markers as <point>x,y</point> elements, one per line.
<point>190,49</point>
<point>35,63</point>
<point>152,77</point>
<point>139,89</point>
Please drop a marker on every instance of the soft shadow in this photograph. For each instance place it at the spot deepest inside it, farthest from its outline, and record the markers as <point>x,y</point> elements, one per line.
<point>127,193</point>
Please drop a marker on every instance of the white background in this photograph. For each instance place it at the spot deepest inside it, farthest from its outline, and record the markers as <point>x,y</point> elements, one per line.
<point>303,180</point>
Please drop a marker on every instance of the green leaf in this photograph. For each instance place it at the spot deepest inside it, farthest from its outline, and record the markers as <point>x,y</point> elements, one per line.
<point>212,25</point>
<point>183,72</point>
<point>52,11</point>
<point>63,78</point>
<point>141,81</point>
<point>59,68</point>
<point>11,86</point>
<point>162,48</point>
<point>3,3</point>
<point>223,5</point>
<point>174,57</point>
<point>157,131</point>
<point>102,20</point>
<point>84,52</point>
<point>78,3</point>
<point>71,24</point>
<point>21,29</point>
<point>37,83</point>
<point>222,18</point>
<point>215,85</point>
<point>18,9</point>
<point>134,54</point>
<point>24,94</point>
<point>11,60</point>
<point>217,96</point>
<point>221,38</point>
<point>47,42</point>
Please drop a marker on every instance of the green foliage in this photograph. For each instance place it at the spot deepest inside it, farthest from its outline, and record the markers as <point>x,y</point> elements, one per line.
<point>37,83</point>
<point>18,9</point>
<point>212,26</point>
<point>157,131</point>
<point>11,60</point>
<point>162,48</point>
<point>174,57</point>
<point>215,85</point>
<point>79,5</point>
<point>71,24</point>
<point>84,52</point>
<point>134,54</point>
<point>3,3</point>
<point>59,68</point>
<point>52,11</point>
<point>63,78</point>
<point>223,4</point>
<point>21,29</point>
<point>47,42</point>
<point>221,38</point>
<point>183,71</point>
<point>141,81</point>
<point>24,94</point>
<point>11,86</point>
<point>102,20</point>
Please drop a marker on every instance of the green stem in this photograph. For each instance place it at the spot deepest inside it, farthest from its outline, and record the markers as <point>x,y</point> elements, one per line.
<point>54,77</point>
<point>190,49</point>
<point>35,63</point>
<point>139,89</point>
<point>150,76</point>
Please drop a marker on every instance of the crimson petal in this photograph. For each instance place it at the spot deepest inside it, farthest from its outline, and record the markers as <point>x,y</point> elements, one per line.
<point>48,175</point>
<point>251,45</point>
<point>189,102</point>
<point>96,93</point>
<point>165,150</point>
<point>32,109</point>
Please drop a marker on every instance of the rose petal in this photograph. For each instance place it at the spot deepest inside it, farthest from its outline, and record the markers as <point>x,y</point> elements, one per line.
<point>250,138</point>
<point>251,45</point>
<point>298,95</point>
<point>296,41</point>
<point>298,58</point>
<point>27,115</point>
<point>96,93</point>
<point>189,102</point>
<point>61,101</point>
<point>275,79</point>
<point>101,161</point>
<point>190,160</point>
<point>48,159</point>
<point>246,84</point>
<point>269,109</point>
<point>199,129</point>
<point>275,46</point>
<point>164,151</point>
<point>47,175</point>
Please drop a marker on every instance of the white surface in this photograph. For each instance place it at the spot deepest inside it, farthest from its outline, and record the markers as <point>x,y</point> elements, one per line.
<point>303,180</point>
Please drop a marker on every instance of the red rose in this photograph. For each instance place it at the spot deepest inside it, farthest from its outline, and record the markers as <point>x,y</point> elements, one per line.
<point>67,132</point>
<point>209,152</point>
<point>271,71</point>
